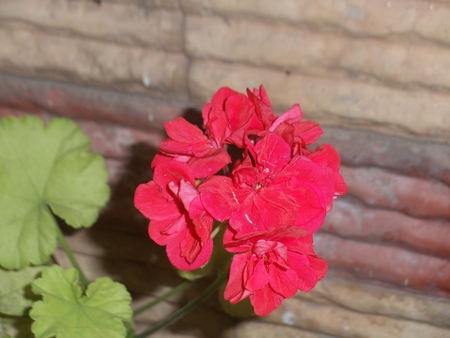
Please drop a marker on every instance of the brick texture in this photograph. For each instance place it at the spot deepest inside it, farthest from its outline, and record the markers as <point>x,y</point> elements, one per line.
<point>124,22</point>
<point>424,19</point>
<point>351,220</point>
<point>376,64</point>
<point>292,49</point>
<point>389,264</point>
<point>322,99</point>
<point>342,322</point>
<point>371,72</point>
<point>87,103</point>
<point>30,52</point>
<point>381,301</point>
<point>413,196</point>
<point>421,158</point>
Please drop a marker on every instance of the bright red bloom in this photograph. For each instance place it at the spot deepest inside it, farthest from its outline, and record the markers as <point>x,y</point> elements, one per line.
<point>270,189</point>
<point>271,266</point>
<point>177,216</point>
<point>275,198</point>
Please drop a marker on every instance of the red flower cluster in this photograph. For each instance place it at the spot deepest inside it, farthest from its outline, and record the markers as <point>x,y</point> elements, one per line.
<point>275,197</point>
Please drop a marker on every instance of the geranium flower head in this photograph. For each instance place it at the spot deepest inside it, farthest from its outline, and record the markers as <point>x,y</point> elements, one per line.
<point>271,200</point>
<point>271,266</point>
<point>271,189</point>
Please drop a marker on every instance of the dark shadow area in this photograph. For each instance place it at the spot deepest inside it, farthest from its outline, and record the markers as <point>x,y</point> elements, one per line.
<point>194,116</point>
<point>132,258</point>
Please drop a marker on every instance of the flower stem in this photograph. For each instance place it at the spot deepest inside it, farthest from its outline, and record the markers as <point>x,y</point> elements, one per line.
<point>188,307</point>
<point>163,297</point>
<point>218,228</point>
<point>71,257</point>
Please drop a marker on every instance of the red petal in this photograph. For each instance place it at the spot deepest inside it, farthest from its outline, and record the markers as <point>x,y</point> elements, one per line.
<point>308,274</point>
<point>179,247</point>
<point>291,116</point>
<point>222,95</point>
<point>182,131</point>
<point>263,110</point>
<point>267,208</point>
<point>210,163</point>
<point>217,124</point>
<point>235,291</point>
<point>283,282</point>
<point>172,171</point>
<point>164,232</point>
<point>186,192</point>
<point>240,112</point>
<point>264,301</point>
<point>326,156</point>
<point>257,276</point>
<point>308,131</point>
<point>218,195</point>
<point>272,154</point>
<point>201,219</point>
<point>150,202</point>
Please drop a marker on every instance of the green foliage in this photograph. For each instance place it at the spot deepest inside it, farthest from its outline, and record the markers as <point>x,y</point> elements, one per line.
<point>42,168</point>
<point>64,312</point>
<point>15,295</point>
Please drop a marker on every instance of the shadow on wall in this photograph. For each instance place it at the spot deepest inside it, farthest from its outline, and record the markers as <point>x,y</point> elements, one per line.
<point>119,240</point>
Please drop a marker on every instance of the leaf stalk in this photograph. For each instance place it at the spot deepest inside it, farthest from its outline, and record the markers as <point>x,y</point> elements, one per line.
<point>163,297</point>
<point>188,307</point>
<point>71,257</point>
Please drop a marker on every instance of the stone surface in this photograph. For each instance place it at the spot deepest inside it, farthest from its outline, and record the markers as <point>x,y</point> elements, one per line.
<point>414,196</point>
<point>391,264</point>
<point>352,220</point>
<point>378,65</point>
<point>387,19</point>
<point>259,329</point>
<point>342,322</point>
<point>410,156</point>
<point>324,100</point>
<point>115,141</point>
<point>378,300</point>
<point>82,102</point>
<point>292,49</point>
<point>119,22</point>
<point>94,63</point>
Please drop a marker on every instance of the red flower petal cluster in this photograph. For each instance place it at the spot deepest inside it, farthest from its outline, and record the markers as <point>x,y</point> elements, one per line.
<point>275,197</point>
<point>178,218</point>
<point>272,265</point>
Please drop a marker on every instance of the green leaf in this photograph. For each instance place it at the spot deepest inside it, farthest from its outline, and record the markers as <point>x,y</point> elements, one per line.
<point>65,313</point>
<point>42,168</point>
<point>15,295</point>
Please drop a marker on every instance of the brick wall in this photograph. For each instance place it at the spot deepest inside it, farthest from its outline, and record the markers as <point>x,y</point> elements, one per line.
<point>372,72</point>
